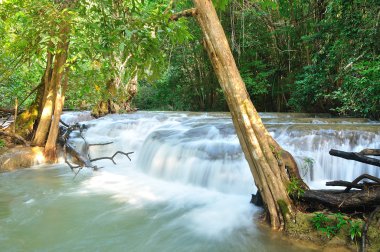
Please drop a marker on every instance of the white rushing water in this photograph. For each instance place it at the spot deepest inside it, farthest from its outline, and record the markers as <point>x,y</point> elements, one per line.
<point>187,187</point>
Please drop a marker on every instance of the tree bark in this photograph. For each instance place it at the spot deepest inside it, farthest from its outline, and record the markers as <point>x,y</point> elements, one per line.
<point>50,151</point>
<point>46,110</point>
<point>263,154</point>
<point>52,81</point>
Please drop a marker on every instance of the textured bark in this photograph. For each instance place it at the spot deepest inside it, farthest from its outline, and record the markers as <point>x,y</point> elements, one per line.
<point>263,154</point>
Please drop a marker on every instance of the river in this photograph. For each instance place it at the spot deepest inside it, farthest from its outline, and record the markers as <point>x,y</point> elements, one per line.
<point>187,187</point>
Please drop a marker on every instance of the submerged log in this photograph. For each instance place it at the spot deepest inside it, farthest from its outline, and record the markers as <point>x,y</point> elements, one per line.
<point>357,156</point>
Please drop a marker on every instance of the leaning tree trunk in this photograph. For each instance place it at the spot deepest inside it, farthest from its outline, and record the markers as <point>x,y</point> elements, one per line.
<point>263,154</point>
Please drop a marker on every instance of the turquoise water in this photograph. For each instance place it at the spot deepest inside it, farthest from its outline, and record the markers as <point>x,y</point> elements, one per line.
<point>187,188</point>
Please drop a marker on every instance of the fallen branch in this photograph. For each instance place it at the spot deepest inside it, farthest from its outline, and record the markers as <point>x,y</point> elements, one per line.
<point>112,158</point>
<point>355,182</point>
<point>82,159</point>
<point>350,184</point>
<point>358,200</point>
<point>361,177</point>
<point>355,156</point>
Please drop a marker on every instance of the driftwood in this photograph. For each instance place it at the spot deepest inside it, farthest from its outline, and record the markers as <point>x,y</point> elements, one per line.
<point>357,156</point>
<point>83,159</point>
<point>365,199</point>
<point>351,185</point>
<point>355,182</point>
<point>357,200</point>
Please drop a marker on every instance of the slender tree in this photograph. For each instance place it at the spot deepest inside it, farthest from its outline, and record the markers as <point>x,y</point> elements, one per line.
<point>271,166</point>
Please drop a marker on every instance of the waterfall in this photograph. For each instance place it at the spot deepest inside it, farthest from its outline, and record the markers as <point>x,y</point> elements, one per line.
<point>187,187</point>
<point>202,149</point>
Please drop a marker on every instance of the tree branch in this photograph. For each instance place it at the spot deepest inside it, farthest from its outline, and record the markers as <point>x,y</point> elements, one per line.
<point>186,13</point>
<point>355,156</point>
<point>112,158</point>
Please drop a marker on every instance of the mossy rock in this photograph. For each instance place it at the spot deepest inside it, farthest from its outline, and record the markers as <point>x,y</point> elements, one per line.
<point>302,228</point>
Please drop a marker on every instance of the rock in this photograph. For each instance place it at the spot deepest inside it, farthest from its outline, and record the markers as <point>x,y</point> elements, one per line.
<point>20,157</point>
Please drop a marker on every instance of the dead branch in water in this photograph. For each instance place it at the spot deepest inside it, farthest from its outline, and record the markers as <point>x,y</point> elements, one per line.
<point>82,159</point>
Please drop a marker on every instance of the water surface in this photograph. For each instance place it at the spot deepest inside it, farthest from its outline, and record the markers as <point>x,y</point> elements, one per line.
<point>187,188</point>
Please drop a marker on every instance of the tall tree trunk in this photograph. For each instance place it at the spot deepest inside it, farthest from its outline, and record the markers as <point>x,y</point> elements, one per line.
<point>50,151</point>
<point>263,154</point>
<point>45,115</point>
<point>52,83</point>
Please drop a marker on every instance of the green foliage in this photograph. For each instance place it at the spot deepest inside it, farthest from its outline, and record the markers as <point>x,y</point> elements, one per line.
<point>343,75</point>
<point>221,4</point>
<point>324,224</point>
<point>294,188</point>
<point>333,223</point>
<point>188,83</point>
<point>2,143</point>
<point>292,55</point>
<point>359,94</point>
<point>355,230</point>
<point>108,40</point>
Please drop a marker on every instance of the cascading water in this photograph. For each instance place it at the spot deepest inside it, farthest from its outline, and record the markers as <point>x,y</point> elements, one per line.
<point>187,188</point>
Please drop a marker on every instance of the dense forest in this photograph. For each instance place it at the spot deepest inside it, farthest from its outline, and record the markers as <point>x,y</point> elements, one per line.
<point>302,56</point>
<point>118,56</point>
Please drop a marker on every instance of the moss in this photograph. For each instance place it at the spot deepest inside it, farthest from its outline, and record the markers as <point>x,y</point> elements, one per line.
<point>373,233</point>
<point>283,208</point>
<point>25,121</point>
<point>303,229</point>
